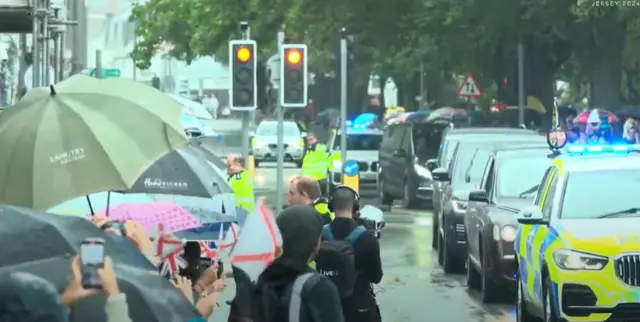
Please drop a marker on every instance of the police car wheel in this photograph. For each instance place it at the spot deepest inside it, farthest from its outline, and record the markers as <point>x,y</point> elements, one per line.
<point>299,164</point>
<point>522,313</point>
<point>549,308</point>
<point>473,277</point>
<point>256,163</point>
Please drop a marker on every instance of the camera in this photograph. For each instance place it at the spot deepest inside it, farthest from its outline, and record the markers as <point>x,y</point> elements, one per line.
<point>244,26</point>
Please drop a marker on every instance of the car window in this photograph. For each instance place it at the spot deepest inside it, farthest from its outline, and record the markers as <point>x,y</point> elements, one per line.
<point>462,162</point>
<point>543,184</point>
<point>477,166</point>
<point>529,171</point>
<point>448,151</point>
<point>590,194</point>
<point>426,141</point>
<point>547,208</point>
<point>360,142</point>
<point>271,128</point>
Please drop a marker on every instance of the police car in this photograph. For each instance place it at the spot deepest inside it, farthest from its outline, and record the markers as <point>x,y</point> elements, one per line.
<point>363,144</point>
<point>578,247</point>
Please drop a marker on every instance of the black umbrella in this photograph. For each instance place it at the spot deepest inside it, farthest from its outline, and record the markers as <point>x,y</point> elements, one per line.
<point>150,297</point>
<point>632,111</point>
<point>184,172</point>
<point>28,236</point>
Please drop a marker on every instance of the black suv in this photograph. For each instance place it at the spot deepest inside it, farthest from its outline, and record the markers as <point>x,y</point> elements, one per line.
<point>403,156</point>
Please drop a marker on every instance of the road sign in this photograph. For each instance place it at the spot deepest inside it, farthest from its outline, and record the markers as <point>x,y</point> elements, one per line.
<point>469,87</point>
<point>107,73</point>
<point>351,175</point>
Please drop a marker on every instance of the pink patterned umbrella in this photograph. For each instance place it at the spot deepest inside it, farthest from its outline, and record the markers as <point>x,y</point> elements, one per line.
<point>173,217</point>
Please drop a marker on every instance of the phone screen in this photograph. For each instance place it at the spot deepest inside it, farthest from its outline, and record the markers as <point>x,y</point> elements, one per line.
<point>92,254</point>
<point>92,259</point>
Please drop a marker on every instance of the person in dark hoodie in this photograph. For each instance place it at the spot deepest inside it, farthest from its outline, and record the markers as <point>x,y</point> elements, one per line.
<point>300,227</point>
<point>361,306</point>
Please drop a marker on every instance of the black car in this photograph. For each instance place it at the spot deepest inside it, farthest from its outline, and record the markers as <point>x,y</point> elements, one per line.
<point>403,156</point>
<point>509,183</point>
<point>447,146</point>
<point>464,175</point>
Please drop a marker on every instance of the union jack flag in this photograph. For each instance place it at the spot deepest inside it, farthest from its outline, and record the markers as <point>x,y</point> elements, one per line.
<point>173,263</point>
<point>209,249</point>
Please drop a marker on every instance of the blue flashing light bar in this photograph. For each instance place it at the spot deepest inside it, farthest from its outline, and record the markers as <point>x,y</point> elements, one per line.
<point>602,149</point>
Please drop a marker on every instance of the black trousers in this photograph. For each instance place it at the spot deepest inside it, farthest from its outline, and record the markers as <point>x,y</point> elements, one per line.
<point>324,187</point>
<point>361,309</point>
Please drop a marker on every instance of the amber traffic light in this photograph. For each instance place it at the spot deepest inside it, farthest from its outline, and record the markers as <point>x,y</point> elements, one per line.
<point>294,75</point>
<point>243,94</point>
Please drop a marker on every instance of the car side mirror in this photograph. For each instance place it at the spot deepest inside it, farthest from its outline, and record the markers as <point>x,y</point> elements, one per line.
<point>432,164</point>
<point>478,196</point>
<point>400,153</point>
<point>440,174</point>
<point>531,215</point>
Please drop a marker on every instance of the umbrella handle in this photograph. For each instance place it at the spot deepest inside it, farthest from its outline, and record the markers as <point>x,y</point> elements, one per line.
<point>90,206</point>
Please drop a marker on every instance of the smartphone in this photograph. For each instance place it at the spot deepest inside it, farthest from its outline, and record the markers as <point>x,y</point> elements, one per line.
<point>92,259</point>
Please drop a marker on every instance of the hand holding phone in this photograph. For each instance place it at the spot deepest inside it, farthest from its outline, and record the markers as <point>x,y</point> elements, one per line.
<point>92,259</point>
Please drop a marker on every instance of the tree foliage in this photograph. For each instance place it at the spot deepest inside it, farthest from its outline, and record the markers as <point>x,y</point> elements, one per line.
<point>569,39</point>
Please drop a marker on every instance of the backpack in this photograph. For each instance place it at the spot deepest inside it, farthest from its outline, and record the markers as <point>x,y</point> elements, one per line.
<point>336,259</point>
<point>270,303</point>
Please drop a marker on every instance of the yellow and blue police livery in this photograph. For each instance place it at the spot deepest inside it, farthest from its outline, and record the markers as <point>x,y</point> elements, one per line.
<point>578,247</point>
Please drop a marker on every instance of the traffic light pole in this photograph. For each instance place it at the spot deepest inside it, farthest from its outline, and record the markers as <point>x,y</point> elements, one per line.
<point>246,147</point>
<point>343,96</point>
<point>280,111</point>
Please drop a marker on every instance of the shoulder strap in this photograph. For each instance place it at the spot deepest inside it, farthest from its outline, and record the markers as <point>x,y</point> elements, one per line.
<point>295,302</point>
<point>326,233</point>
<point>355,234</point>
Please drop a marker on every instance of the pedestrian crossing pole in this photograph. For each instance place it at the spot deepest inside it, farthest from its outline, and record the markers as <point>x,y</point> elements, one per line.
<point>249,163</point>
<point>280,114</point>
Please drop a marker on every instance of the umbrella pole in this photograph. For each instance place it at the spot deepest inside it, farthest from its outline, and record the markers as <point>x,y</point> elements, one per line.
<point>108,202</point>
<point>90,206</point>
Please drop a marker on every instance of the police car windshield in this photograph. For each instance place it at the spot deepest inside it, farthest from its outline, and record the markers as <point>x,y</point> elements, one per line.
<point>271,128</point>
<point>590,194</point>
<point>360,142</point>
<point>527,169</point>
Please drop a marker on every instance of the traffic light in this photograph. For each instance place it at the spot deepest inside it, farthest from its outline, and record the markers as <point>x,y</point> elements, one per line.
<point>293,75</point>
<point>243,94</point>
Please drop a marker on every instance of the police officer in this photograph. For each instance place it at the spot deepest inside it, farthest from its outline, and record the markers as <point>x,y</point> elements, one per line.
<point>241,183</point>
<point>315,163</point>
<point>305,190</point>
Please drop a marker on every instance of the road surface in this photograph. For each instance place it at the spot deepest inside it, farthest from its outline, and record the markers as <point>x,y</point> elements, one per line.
<point>414,287</point>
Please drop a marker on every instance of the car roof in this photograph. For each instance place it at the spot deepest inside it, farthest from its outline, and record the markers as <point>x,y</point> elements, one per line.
<point>489,130</point>
<point>575,163</point>
<point>521,139</point>
<point>518,146</point>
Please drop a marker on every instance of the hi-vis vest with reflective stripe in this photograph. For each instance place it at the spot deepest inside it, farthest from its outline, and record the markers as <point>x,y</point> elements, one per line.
<point>322,208</point>
<point>242,186</point>
<point>316,163</point>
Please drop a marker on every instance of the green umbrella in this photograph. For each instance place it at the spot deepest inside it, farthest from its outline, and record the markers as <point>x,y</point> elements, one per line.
<point>83,136</point>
